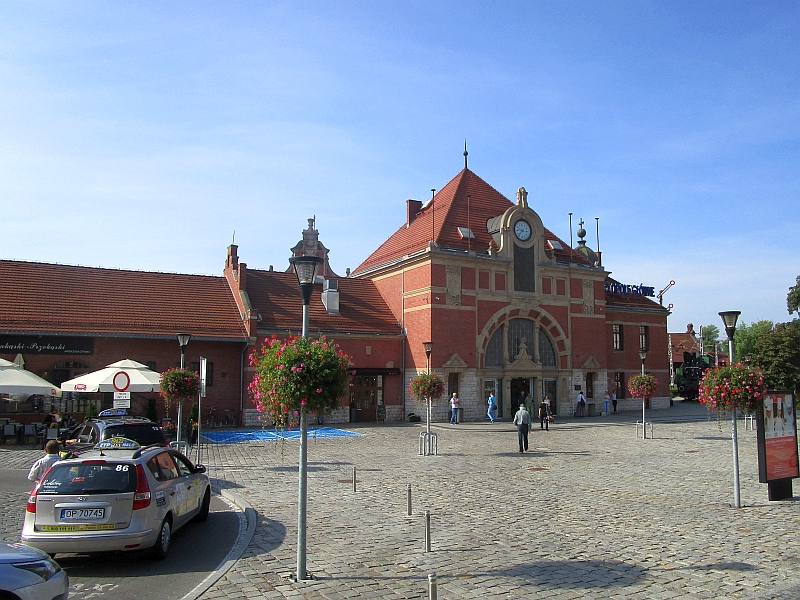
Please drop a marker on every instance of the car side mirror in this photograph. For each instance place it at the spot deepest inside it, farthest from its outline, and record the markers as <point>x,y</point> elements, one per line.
<point>199,468</point>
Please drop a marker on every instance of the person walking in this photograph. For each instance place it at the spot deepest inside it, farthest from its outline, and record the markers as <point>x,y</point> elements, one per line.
<point>454,402</point>
<point>41,466</point>
<point>523,422</point>
<point>492,412</point>
<point>544,422</point>
<point>549,408</point>
<point>581,411</point>
<point>614,400</point>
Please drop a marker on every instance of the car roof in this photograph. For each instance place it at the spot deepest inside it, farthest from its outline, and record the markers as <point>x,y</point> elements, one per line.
<point>92,453</point>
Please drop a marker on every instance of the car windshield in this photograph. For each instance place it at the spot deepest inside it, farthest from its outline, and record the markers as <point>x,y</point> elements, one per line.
<point>91,477</point>
<point>144,433</point>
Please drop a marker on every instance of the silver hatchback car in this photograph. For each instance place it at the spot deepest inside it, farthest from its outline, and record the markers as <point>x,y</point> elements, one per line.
<point>117,496</point>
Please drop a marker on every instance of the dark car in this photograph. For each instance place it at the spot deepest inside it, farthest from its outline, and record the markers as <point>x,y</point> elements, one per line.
<point>108,425</point>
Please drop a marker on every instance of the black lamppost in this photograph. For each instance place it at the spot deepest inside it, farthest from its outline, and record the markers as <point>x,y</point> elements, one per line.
<point>428,350</point>
<point>183,340</point>
<point>305,268</point>
<point>729,318</point>
<point>643,356</point>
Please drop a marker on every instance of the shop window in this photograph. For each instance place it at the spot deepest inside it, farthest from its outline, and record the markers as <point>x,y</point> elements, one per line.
<point>617,337</point>
<point>644,338</point>
<point>619,385</point>
<point>195,366</point>
<point>151,364</point>
<point>590,385</point>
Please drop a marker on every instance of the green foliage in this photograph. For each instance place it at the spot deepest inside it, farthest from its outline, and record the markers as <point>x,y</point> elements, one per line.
<point>746,337</point>
<point>738,385</point>
<point>793,298</point>
<point>426,386</point>
<point>642,386</point>
<point>91,409</point>
<point>177,384</point>
<point>777,352</point>
<point>152,413</point>
<point>710,337</point>
<point>298,374</point>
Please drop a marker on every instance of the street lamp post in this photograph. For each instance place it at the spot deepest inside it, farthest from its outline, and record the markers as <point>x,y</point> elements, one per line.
<point>428,351</point>
<point>729,318</point>
<point>643,356</point>
<point>183,340</point>
<point>305,268</point>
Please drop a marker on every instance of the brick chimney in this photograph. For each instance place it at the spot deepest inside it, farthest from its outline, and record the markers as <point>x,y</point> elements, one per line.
<point>232,262</point>
<point>412,210</point>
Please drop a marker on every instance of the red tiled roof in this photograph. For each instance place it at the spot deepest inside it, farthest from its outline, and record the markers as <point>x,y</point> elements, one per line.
<point>362,309</point>
<point>441,218</point>
<point>41,297</point>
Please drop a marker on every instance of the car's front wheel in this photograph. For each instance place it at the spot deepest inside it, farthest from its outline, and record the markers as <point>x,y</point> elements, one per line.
<point>202,516</point>
<point>161,546</point>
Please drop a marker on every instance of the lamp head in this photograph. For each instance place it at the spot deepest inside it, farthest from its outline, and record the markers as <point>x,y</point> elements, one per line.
<point>305,268</point>
<point>428,348</point>
<point>642,354</point>
<point>729,318</point>
<point>183,339</point>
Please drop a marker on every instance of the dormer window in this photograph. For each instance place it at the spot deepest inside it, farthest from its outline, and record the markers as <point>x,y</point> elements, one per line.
<point>466,232</point>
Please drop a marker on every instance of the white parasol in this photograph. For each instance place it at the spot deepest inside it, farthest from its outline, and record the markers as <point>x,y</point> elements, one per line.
<point>122,376</point>
<point>14,380</point>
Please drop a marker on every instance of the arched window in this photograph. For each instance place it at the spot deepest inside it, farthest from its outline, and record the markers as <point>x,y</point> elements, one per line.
<point>494,350</point>
<point>517,330</point>
<point>547,353</point>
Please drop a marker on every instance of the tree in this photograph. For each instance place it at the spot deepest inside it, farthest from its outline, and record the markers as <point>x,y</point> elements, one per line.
<point>710,337</point>
<point>744,340</point>
<point>777,352</point>
<point>793,298</point>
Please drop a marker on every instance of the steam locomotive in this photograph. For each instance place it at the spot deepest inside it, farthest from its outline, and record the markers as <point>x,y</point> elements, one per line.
<point>690,374</point>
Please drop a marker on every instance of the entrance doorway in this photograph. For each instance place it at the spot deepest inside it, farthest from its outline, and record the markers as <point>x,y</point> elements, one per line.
<point>365,393</point>
<point>517,387</point>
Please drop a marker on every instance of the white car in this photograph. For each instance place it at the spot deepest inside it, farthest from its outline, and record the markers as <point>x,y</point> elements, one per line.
<point>29,574</point>
<point>117,496</point>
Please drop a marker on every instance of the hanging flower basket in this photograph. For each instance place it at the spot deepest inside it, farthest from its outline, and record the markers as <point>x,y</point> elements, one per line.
<point>426,386</point>
<point>297,373</point>
<point>177,384</point>
<point>738,386</point>
<point>642,386</point>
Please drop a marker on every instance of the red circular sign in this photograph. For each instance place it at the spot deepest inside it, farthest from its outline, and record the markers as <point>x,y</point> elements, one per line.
<point>121,381</point>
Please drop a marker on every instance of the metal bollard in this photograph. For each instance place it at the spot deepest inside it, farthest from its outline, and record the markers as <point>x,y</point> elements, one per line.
<point>354,479</point>
<point>408,499</point>
<point>427,531</point>
<point>432,591</point>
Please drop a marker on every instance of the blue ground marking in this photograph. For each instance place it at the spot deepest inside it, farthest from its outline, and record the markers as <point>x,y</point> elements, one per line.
<point>261,435</point>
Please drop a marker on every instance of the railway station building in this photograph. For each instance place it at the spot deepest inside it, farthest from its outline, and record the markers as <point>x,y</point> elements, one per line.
<point>508,306</point>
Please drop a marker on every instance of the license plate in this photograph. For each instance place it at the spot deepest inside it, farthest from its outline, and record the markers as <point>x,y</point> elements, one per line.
<point>83,514</point>
<point>69,528</point>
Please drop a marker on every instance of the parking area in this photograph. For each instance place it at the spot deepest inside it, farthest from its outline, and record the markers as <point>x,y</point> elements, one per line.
<point>591,511</point>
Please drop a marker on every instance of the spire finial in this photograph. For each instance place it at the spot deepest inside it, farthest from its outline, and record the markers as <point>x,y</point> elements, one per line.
<point>465,153</point>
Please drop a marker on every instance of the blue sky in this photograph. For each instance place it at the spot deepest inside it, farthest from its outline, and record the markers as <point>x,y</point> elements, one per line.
<point>141,135</point>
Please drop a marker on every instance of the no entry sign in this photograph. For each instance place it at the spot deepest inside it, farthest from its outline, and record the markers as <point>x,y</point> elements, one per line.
<point>121,381</point>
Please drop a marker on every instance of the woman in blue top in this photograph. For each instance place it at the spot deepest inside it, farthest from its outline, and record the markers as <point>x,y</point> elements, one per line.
<point>492,408</point>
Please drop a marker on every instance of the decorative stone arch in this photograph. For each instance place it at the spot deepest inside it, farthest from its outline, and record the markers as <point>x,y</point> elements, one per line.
<point>540,317</point>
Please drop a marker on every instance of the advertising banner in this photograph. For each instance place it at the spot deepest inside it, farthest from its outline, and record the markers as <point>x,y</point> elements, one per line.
<point>777,438</point>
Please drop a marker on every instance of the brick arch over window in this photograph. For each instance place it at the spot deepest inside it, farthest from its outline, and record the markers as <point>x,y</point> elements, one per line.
<point>552,341</point>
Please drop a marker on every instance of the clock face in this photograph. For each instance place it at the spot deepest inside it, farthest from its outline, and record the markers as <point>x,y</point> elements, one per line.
<point>522,230</point>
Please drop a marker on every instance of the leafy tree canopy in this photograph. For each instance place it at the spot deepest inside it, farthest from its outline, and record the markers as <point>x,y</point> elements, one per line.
<point>777,352</point>
<point>793,298</point>
<point>745,338</point>
<point>710,337</point>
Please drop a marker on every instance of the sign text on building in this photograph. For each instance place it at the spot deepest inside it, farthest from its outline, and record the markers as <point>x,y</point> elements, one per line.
<point>634,290</point>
